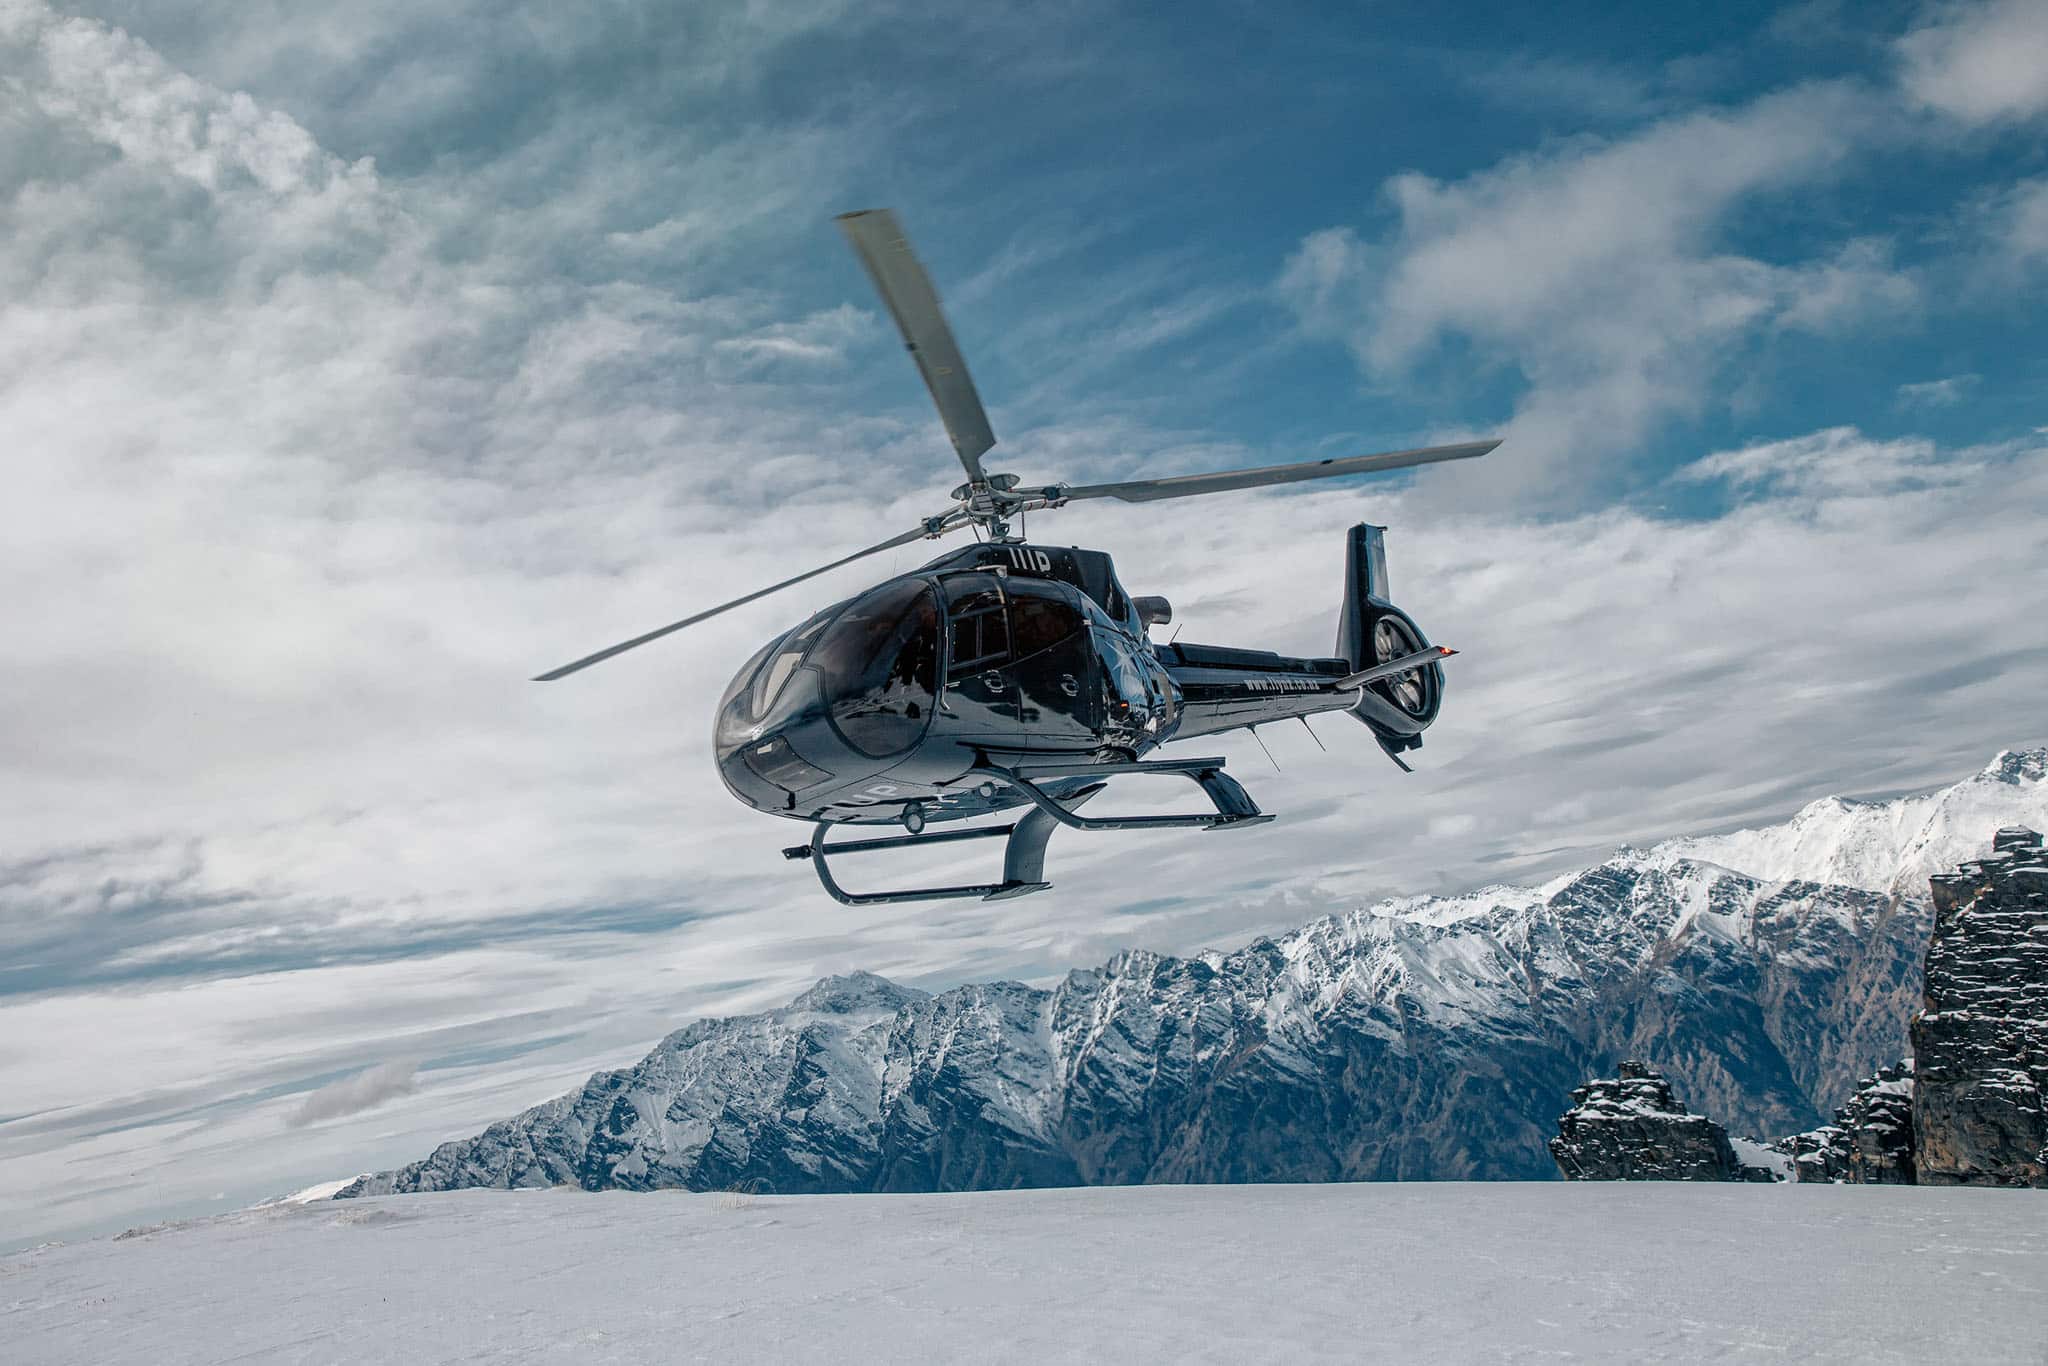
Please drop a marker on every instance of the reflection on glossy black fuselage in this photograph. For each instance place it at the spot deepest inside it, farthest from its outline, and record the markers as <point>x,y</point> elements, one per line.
<point>995,652</point>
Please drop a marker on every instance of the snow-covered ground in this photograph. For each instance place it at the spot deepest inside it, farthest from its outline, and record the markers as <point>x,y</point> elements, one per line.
<point>1465,1272</point>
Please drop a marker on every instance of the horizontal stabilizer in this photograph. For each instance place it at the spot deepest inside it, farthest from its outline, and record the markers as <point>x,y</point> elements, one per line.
<point>1435,654</point>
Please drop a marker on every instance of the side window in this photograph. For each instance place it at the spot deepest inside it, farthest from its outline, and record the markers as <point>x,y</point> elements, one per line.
<point>977,628</point>
<point>1040,623</point>
<point>1116,604</point>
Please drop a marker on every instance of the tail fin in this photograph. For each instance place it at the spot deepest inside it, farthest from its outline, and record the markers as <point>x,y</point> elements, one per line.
<point>1397,716</point>
<point>1365,591</point>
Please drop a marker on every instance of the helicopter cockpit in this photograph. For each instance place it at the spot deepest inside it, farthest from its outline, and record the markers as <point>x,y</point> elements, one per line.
<point>863,673</point>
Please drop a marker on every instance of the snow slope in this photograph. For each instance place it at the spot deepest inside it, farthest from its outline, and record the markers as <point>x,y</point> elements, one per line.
<point>1412,1273</point>
<point>1890,847</point>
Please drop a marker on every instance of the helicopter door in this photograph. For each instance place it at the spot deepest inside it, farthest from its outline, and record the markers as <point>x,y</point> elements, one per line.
<point>978,692</point>
<point>1053,666</point>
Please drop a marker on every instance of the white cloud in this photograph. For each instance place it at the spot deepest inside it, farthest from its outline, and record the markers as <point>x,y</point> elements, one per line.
<point>366,1090</point>
<point>1938,393</point>
<point>2023,227</point>
<point>820,339</point>
<point>1980,63</point>
<point>1858,285</point>
<point>1840,462</point>
<point>1598,271</point>
<point>124,94</point>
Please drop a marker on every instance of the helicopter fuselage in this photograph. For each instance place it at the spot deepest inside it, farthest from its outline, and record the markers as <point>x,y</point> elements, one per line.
<point>1007,675</point>
<point>891,707</point>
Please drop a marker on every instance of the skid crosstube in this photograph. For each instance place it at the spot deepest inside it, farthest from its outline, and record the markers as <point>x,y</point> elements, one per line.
<point>1234,805</point>
<point>1024,854</point>
<point>1023,859</point>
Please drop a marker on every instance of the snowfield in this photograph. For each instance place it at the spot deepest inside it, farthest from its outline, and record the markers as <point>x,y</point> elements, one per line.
<point>1414,1272</point>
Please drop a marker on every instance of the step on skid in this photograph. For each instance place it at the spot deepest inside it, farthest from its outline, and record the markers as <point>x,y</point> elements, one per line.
<point>1024,854</point>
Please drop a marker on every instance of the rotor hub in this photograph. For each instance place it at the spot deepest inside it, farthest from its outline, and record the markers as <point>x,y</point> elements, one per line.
<point>989,504</point>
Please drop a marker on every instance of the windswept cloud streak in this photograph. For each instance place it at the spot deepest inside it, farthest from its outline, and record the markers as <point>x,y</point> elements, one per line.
<point>366,1090</point>
<point>1937,393</point>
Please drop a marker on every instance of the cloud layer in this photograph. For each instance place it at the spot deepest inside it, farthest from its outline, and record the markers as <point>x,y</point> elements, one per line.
<point>338,409</point>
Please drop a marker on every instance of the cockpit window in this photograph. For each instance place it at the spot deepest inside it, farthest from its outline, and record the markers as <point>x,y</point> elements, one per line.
<point>879,661</point>
<point>735,712</point>
<point>789,652</point>
<point>978,630</point>
<point>1041,622</point>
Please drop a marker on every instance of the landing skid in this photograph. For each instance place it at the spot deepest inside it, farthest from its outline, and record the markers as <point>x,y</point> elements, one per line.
<point>1024,855</point>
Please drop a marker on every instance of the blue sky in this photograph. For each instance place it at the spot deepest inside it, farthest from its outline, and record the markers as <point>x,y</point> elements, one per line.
<point>360,361</point>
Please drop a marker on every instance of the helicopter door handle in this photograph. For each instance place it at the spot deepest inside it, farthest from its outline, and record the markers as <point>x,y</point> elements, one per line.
<point>1070,685</point>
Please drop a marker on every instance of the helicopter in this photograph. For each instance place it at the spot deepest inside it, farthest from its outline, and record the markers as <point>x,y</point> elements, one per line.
<point>1010,675</point>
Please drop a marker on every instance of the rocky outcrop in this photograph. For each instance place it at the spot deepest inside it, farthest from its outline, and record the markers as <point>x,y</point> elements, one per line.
<point>1980,1103</point>
<point>1871,1140</point>
<point>1426,1038</point>
<point>1971,1108</point>
<point>1631,1128</point>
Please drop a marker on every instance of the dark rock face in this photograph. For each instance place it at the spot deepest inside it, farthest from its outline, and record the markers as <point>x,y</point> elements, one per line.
<point>1871,1141</point>
<point>1980,1103</point>
<point>1970,1110</point>
<point>1632,1128</point>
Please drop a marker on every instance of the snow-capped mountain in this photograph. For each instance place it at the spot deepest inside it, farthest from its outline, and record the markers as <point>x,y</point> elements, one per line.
<point>1891,847</point>
<point>1762,971</point>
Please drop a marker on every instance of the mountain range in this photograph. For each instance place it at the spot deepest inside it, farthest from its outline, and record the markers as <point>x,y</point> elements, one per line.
<point>1763,971</point>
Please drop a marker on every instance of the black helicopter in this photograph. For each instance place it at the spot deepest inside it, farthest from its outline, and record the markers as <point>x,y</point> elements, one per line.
<point>1007,674</point>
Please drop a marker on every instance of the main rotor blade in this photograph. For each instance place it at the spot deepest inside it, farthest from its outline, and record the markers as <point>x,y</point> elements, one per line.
<point>1188,485</point>
<point>879,241</point>
<point>551,675</point>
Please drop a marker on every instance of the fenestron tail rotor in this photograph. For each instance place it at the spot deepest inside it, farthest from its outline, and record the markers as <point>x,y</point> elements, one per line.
<point>989,501</point>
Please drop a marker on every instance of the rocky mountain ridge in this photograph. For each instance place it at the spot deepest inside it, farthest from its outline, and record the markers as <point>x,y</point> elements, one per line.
<point>1969,1108</point>
<point>1429,1038</point>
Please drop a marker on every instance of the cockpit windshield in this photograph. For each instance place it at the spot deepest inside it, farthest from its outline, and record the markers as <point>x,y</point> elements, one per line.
<point>879,665</point>
<point>787,654</point>
<point>873,663</point>
<point>761,681</point>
